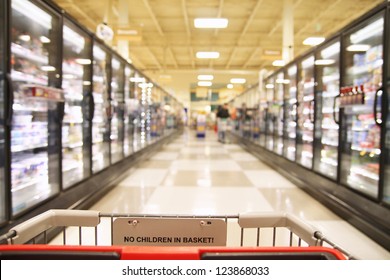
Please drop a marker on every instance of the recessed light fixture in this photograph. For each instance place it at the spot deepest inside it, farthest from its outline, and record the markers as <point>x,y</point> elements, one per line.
<point>205,77</point>
<point>211,22</point>
<point>358,48</point>
<point>204,83</point>
<point>278,63</point>
<point>207,54</point>
<point>238,81</point>
<point>313,41</point>
<point>230,86</point>
<point>137,80</point>
<point>269,86</point>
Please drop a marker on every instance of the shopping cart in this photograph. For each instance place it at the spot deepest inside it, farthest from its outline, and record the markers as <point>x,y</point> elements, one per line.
<point>85,234</point>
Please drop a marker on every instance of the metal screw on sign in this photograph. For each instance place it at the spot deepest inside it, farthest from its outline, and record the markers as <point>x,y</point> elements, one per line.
<point>134,222</point>
<point>202,223</point>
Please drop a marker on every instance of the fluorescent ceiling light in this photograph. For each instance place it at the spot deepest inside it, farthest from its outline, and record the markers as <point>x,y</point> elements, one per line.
<point>358,48</point>
<point>99,53</point>
<point>282,81</point>
<point>292,70</point>
<point>115,64</point>
<point>74,38</point>
<point>313,41</point>
<point>211,22</point>
<point>48,68</point>
<point>83,61</point>
<point>278,63</point>
<point>367,32</point>
<point>229,86</point>
<point>137,80</point>
<point>269,86</point>
<point>309,62</point>
<point>204,83</point>
<point>86,83</point>
<point>127,32</point>
<point>324,61</point>
<point>238,81</point>
<point>207,54</point>
<point>331,50</point>
<point>205,77</point>
<point>32,12</point>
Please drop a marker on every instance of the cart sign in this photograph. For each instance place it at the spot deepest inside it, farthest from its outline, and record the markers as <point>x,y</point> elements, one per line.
<point>169,232</point>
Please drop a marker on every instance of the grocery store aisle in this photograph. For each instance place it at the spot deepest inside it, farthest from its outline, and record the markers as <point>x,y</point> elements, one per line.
<point>204,177</point>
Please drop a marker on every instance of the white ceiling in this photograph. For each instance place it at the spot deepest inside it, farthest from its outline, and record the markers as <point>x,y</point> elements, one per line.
<point>166,42</point>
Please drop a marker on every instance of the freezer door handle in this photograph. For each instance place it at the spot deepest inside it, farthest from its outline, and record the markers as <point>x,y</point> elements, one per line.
<point>11,100</point>
<point>92,104</point>
<point>378,94</point>
<point>334,110</point>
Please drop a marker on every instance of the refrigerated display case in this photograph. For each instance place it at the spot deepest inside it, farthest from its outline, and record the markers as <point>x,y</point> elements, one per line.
<point>269,131</point>
<point>101,109</point>
<point>361,97</point>
<point>76,83</point>
<point>327,108</point>
<point>130,110</point>
<point>278,112</point>
<point>263,114</point>
<point>290,114</point>
<point>305,123</point>
<point>3,69</point>
<point>35,129</point>
<point>117,107</point>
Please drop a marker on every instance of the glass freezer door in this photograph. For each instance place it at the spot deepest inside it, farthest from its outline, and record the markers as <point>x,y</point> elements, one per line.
<point>277,109</point>
<point>361,99</point>
<point>3,19</point>
<point>35,122</point>
<point>117,101</point>
<point>327,130</point>
<point>76,83</point>
<point>290,104</point>
<point>128,115</point>
<point>306,113</point>
<point>269,134</point>
<point>101,111</point>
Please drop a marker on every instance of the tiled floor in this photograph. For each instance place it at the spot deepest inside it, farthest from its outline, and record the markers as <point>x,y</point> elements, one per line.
<point>201,176</point>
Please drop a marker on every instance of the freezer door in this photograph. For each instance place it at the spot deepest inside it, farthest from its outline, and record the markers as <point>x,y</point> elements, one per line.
<point>129,110</point>
<point>101,110</point>
<point>76,83</point>
<point>35,130</point>
<point>386,192</point>
<point>117,105</point>
<point>270,123</point>
<point>305,124</point>
<point>361,102</point>
<point>290,121</point>
<point>327,109</point>
<point>278,110</point>
<point>3,19</point>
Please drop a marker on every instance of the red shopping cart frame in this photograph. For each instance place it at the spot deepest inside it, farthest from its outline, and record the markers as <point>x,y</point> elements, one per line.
<point>167,253</point>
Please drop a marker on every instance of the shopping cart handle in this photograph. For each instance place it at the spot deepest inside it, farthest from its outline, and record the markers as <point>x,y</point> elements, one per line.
<point>279,219</point>
<point>29,229</point>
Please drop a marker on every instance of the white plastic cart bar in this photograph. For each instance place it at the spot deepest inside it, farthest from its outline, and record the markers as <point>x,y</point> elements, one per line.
<point>29,229</point>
